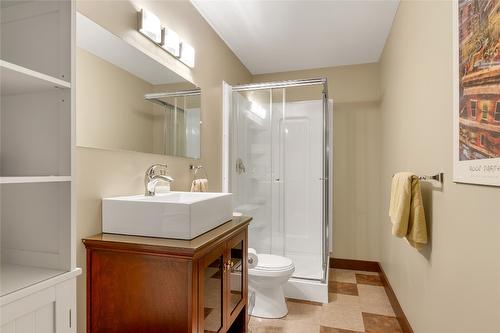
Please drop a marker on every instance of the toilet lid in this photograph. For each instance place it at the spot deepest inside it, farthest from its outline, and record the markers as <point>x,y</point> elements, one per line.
<point>271,262</point>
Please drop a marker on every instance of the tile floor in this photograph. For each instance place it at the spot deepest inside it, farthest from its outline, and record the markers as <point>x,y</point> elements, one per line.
<point>357,303</point>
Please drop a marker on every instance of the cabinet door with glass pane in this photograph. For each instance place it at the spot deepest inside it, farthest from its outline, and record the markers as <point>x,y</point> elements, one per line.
<point>211,291</point>
<point>236,272</point>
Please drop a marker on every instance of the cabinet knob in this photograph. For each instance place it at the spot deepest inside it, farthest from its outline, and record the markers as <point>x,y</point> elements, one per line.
<point>228,265</point>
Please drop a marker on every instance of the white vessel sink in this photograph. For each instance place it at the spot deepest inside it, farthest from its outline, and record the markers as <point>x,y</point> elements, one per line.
<point>182,215</point>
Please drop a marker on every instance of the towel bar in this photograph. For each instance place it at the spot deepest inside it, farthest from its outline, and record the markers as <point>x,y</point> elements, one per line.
<point>439,177</point>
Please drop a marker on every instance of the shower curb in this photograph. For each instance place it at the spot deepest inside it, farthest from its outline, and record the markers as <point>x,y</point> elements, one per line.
<point>374,266</point>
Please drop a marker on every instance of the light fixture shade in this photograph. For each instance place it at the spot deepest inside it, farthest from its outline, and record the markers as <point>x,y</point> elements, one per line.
<point>150,26</point>
<point>187,54</point>
<point>172,43</point>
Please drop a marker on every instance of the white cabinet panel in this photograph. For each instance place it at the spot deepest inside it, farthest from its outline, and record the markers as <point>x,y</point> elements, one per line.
<point>44,319</point>
<point>38,321</point>
<point>25,324</point>
<point>29,304</point>
<point>51,310</point>
<point>66,307</point>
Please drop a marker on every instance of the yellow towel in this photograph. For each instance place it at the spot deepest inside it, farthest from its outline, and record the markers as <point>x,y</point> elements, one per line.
<point>199,185</point>
<point>406,209</point>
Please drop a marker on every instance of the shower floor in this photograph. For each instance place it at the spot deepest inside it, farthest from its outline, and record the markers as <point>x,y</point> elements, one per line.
<point>307,266</point>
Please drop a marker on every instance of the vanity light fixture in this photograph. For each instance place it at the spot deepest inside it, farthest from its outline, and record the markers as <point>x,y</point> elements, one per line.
<point>187,54</point>
<point>150,26</point>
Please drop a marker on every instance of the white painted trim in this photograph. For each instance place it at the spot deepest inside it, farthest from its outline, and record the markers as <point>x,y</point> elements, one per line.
<point>330,180</point>
<point>33,74</point>
<point>21,80</point>
<point>40,179</point>
<point>72,236</point>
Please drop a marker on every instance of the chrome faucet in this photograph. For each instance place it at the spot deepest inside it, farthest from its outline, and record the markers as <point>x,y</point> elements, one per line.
<point>151,178</point>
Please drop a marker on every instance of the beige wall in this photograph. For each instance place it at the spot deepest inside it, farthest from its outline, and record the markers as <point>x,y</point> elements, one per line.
<point>453,285</point>
<point>111,108</point>
<point>102,173</point>
<point>355,93</point>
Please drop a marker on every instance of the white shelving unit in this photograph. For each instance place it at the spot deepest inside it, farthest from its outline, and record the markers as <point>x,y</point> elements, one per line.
<point>38,261</point>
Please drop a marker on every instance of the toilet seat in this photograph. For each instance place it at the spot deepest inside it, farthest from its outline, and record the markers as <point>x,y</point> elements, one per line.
<point>270,264</point>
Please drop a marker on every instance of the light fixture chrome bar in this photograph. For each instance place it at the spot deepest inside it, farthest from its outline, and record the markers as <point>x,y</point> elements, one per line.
<point>280,84</point>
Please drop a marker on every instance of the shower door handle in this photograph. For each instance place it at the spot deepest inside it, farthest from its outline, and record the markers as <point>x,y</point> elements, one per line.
<point>240,167</point>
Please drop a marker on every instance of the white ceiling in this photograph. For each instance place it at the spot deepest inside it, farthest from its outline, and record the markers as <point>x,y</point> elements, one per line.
<point>277,36</point>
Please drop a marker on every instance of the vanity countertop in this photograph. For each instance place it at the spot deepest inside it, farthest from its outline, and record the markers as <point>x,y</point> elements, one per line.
<point>167,245</point>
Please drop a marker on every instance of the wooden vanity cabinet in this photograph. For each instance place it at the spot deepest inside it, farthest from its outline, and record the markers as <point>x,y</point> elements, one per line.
<point>222,285</point>
<point>146,284</point>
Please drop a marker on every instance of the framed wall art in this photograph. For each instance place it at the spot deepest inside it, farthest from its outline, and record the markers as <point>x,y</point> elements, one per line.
<point>476,57</point>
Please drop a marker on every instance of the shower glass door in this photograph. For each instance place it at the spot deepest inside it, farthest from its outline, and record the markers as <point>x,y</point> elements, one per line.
<point>298,169</point>
<point>277,174</point>
<point>251,163</point>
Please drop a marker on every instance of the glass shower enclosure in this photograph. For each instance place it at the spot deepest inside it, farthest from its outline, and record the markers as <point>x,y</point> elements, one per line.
<point>278,170</point>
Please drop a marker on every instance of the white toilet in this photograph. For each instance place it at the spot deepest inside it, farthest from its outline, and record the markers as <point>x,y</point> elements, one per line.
<point>266,281</point>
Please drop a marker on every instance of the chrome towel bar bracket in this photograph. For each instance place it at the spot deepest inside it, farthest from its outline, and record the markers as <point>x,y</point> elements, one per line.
<point>196,169</point>
<point>439,177</point>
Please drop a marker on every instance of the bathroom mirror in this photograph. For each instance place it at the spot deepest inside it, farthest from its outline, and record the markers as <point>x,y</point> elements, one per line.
<point>137,104</point>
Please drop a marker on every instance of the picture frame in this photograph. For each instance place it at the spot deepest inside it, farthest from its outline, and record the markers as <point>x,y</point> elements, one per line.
<point>476,92</point>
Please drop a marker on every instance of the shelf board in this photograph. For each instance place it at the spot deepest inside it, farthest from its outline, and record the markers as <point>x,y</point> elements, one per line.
<point>16,277</point>
<point>20,80</point>
<point>35,179</point>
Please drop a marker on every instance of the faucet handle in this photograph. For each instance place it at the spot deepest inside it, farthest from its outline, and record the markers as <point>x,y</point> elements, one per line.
<point>152,169</point>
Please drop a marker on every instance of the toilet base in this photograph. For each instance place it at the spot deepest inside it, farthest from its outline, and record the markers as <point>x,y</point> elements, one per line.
<point>269,303</point>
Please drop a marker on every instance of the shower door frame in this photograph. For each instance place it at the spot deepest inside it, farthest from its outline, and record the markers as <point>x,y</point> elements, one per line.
<point>327,149</point>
